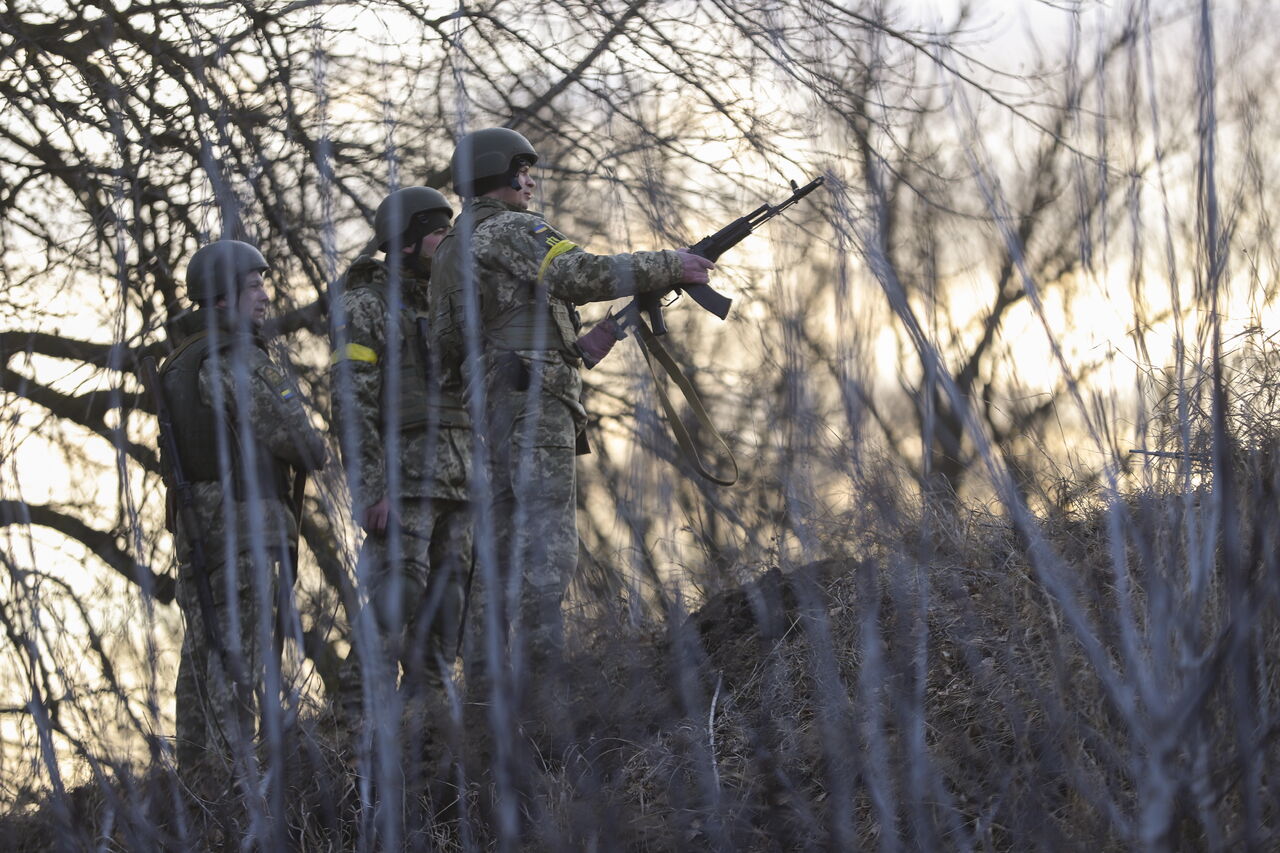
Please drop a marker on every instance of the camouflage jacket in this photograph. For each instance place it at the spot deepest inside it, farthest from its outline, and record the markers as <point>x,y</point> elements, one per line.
<point>528,278</point>
<point>432,444</point>
<point>240,378</point>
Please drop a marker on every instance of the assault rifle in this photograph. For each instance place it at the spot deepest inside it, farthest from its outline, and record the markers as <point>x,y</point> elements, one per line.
<point>1200,458</point>
<point>1168,454</point>
<point>182,509</point>
<point>711,248</point>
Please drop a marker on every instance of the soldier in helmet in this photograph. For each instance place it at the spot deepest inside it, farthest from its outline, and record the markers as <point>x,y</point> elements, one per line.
<point>241,433</point>
<point>525,278</point>
<point>406,444</point>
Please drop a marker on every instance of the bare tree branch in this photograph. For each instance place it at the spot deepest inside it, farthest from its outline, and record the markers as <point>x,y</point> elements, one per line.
<point>104,544</point>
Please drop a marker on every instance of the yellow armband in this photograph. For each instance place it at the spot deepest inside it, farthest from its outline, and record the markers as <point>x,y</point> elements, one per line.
<point>554,252</point>
<point>354,352</point>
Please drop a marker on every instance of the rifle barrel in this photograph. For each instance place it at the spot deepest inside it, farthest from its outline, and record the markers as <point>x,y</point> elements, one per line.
<point>1170,454</point>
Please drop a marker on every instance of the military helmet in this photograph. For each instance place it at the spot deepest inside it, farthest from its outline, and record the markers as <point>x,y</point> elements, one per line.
<point>406,212</point>
<point>487,159</point>
<point>217,270</point>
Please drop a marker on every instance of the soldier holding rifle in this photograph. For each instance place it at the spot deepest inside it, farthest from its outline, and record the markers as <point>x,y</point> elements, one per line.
<point>525,278</point>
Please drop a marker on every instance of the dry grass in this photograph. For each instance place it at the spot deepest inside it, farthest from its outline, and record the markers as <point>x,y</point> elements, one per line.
<point>932,697</point>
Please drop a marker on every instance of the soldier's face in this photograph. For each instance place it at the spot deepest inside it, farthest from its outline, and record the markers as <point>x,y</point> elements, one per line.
<point>521,197</point>
<point>253,302</point>
<point>427,248</point>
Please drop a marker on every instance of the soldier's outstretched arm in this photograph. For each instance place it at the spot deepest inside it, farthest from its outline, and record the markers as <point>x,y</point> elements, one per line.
<point>537,252</point>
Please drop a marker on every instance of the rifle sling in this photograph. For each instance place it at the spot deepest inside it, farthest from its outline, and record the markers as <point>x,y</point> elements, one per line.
<point>653,348</point>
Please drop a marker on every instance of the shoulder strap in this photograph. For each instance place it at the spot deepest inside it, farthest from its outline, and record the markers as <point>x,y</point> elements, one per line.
<point>472,216</point>
<point>199,340</point>
<point>486,213</point>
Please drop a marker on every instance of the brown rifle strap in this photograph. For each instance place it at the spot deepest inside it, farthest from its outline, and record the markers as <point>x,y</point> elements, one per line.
<point>653,348</point>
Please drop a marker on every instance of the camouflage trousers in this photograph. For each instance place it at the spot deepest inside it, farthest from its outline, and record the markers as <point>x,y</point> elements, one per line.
<point>216,711</point>
<point>514,606</point>
<point>414,579</point>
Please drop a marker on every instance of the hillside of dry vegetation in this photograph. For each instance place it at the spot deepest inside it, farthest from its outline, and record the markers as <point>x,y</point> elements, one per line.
<point>960,690</point>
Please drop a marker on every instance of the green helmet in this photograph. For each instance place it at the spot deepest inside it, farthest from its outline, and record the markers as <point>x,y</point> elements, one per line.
<point>217,270</point>
<point>488,159</point>
<point>409,213</point>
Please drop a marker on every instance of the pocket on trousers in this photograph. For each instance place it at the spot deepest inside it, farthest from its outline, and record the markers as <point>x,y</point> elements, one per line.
<point>545,421</point>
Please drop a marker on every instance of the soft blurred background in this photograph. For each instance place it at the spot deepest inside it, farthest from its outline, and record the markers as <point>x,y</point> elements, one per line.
<point>944,607</point>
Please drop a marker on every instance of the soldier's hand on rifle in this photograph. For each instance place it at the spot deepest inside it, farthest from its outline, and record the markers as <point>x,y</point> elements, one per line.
<point>376,516</point>
<point>693,268</point>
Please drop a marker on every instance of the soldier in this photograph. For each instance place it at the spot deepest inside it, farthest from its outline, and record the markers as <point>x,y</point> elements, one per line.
<point>525,279</point>
<point>406,444</point>
<point>241,431</point>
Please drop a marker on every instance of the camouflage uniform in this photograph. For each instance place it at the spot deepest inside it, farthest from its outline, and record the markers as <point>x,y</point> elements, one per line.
<point>241,546</point>
<point>431,549</point>
<point>528,278</point>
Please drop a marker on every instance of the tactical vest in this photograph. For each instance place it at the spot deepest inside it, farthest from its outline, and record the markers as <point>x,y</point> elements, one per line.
<point>417,406</point>
<point>525,324</point>
<point>196,424</point>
